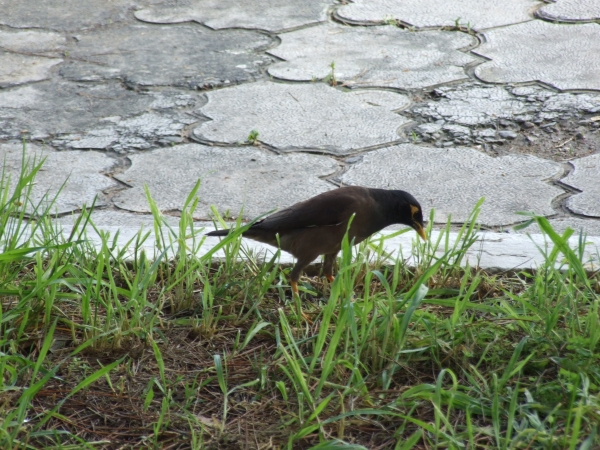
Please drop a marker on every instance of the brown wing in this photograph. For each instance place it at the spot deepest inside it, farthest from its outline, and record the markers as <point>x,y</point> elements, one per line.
<point>327,209</point>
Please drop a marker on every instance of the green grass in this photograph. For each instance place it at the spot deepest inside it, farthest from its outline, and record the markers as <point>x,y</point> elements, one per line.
<point>101,348</point>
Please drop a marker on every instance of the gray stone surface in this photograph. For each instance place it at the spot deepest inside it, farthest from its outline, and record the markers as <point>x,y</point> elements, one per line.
<point>453,180</point>
<point>303,116</point>
<point>564,56</point>
<point>82,172</point>
<point>476,14</point>
<point>232,178</point>
<point>65,14</point>
<point>177,55</point>
<point>27,56</point>
<point>19,69</point>
<point>585,177</point>
<point>272,15</point>
<point>589,227</point>
<point>571,11</point>
<point>90,116</point>
<point>372,56</point>
<point>46,43</point>
<point>457,130</point>
<point>507,134</point>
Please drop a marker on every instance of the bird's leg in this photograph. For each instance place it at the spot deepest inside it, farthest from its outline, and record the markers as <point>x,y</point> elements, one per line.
<point>294,285</point>
<point>294,277</point>
<point>296,271</point>
<point>328,266</point>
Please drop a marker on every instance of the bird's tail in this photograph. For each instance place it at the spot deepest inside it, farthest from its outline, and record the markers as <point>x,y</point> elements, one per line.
<point>218,233</point>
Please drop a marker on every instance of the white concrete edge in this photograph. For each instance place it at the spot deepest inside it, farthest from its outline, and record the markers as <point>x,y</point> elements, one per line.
<point>492,251</point>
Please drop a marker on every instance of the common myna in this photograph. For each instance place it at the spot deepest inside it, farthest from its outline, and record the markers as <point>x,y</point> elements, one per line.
<point>317,226</point>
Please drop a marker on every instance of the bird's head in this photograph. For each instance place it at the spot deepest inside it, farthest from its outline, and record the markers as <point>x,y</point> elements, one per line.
<point>417,220</point>
<point>410,213</point>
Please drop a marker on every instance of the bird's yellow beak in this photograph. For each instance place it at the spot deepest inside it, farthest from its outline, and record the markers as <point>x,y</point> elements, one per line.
<point>419,229</point>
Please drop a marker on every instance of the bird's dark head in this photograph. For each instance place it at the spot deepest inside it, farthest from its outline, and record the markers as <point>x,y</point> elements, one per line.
<point>417,220</point>
<point>411,213</point>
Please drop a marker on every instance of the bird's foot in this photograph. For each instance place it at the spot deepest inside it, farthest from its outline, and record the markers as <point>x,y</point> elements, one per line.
<point>330,278</point>
<point>295,293</point>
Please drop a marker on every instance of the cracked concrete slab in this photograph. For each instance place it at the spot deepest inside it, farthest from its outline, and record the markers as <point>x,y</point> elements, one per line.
<point>103,117</point>
<point>453,180</point>
<point>65,15</point>
<point>282,14</point>
<point>81,173</point>
<point>571,11</point>
<point>470,104</point>
<point>482,105</point>
<point>475,14</point>
<point>372,56</point>
<point>303,116</point>
<point>585,177</point>
<point>564,56</point>
<point>185,55</point>
<point>492,113</point>
<point>231,179</point>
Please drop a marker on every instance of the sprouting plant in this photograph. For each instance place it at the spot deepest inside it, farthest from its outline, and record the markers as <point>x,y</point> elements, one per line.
<point>459,26</point>
<point>253,137</point>
<point>331,77</point>
<point>389,20</point>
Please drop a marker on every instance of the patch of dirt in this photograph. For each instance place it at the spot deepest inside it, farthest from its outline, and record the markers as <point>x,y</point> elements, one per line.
<point>558,141</point>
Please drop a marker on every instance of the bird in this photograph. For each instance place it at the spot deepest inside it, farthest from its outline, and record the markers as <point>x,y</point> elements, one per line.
<point>317,226</point>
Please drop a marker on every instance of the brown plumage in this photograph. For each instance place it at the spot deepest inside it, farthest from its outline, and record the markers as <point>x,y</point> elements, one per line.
<point>317,226</point>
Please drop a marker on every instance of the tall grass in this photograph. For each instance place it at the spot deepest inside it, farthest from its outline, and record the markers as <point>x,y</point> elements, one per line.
<point>105,346</point>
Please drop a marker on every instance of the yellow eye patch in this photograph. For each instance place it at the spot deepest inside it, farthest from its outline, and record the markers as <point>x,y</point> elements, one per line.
<point>414,209</point>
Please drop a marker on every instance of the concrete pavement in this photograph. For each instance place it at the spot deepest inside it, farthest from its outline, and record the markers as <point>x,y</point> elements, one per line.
<point>271,102</point>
